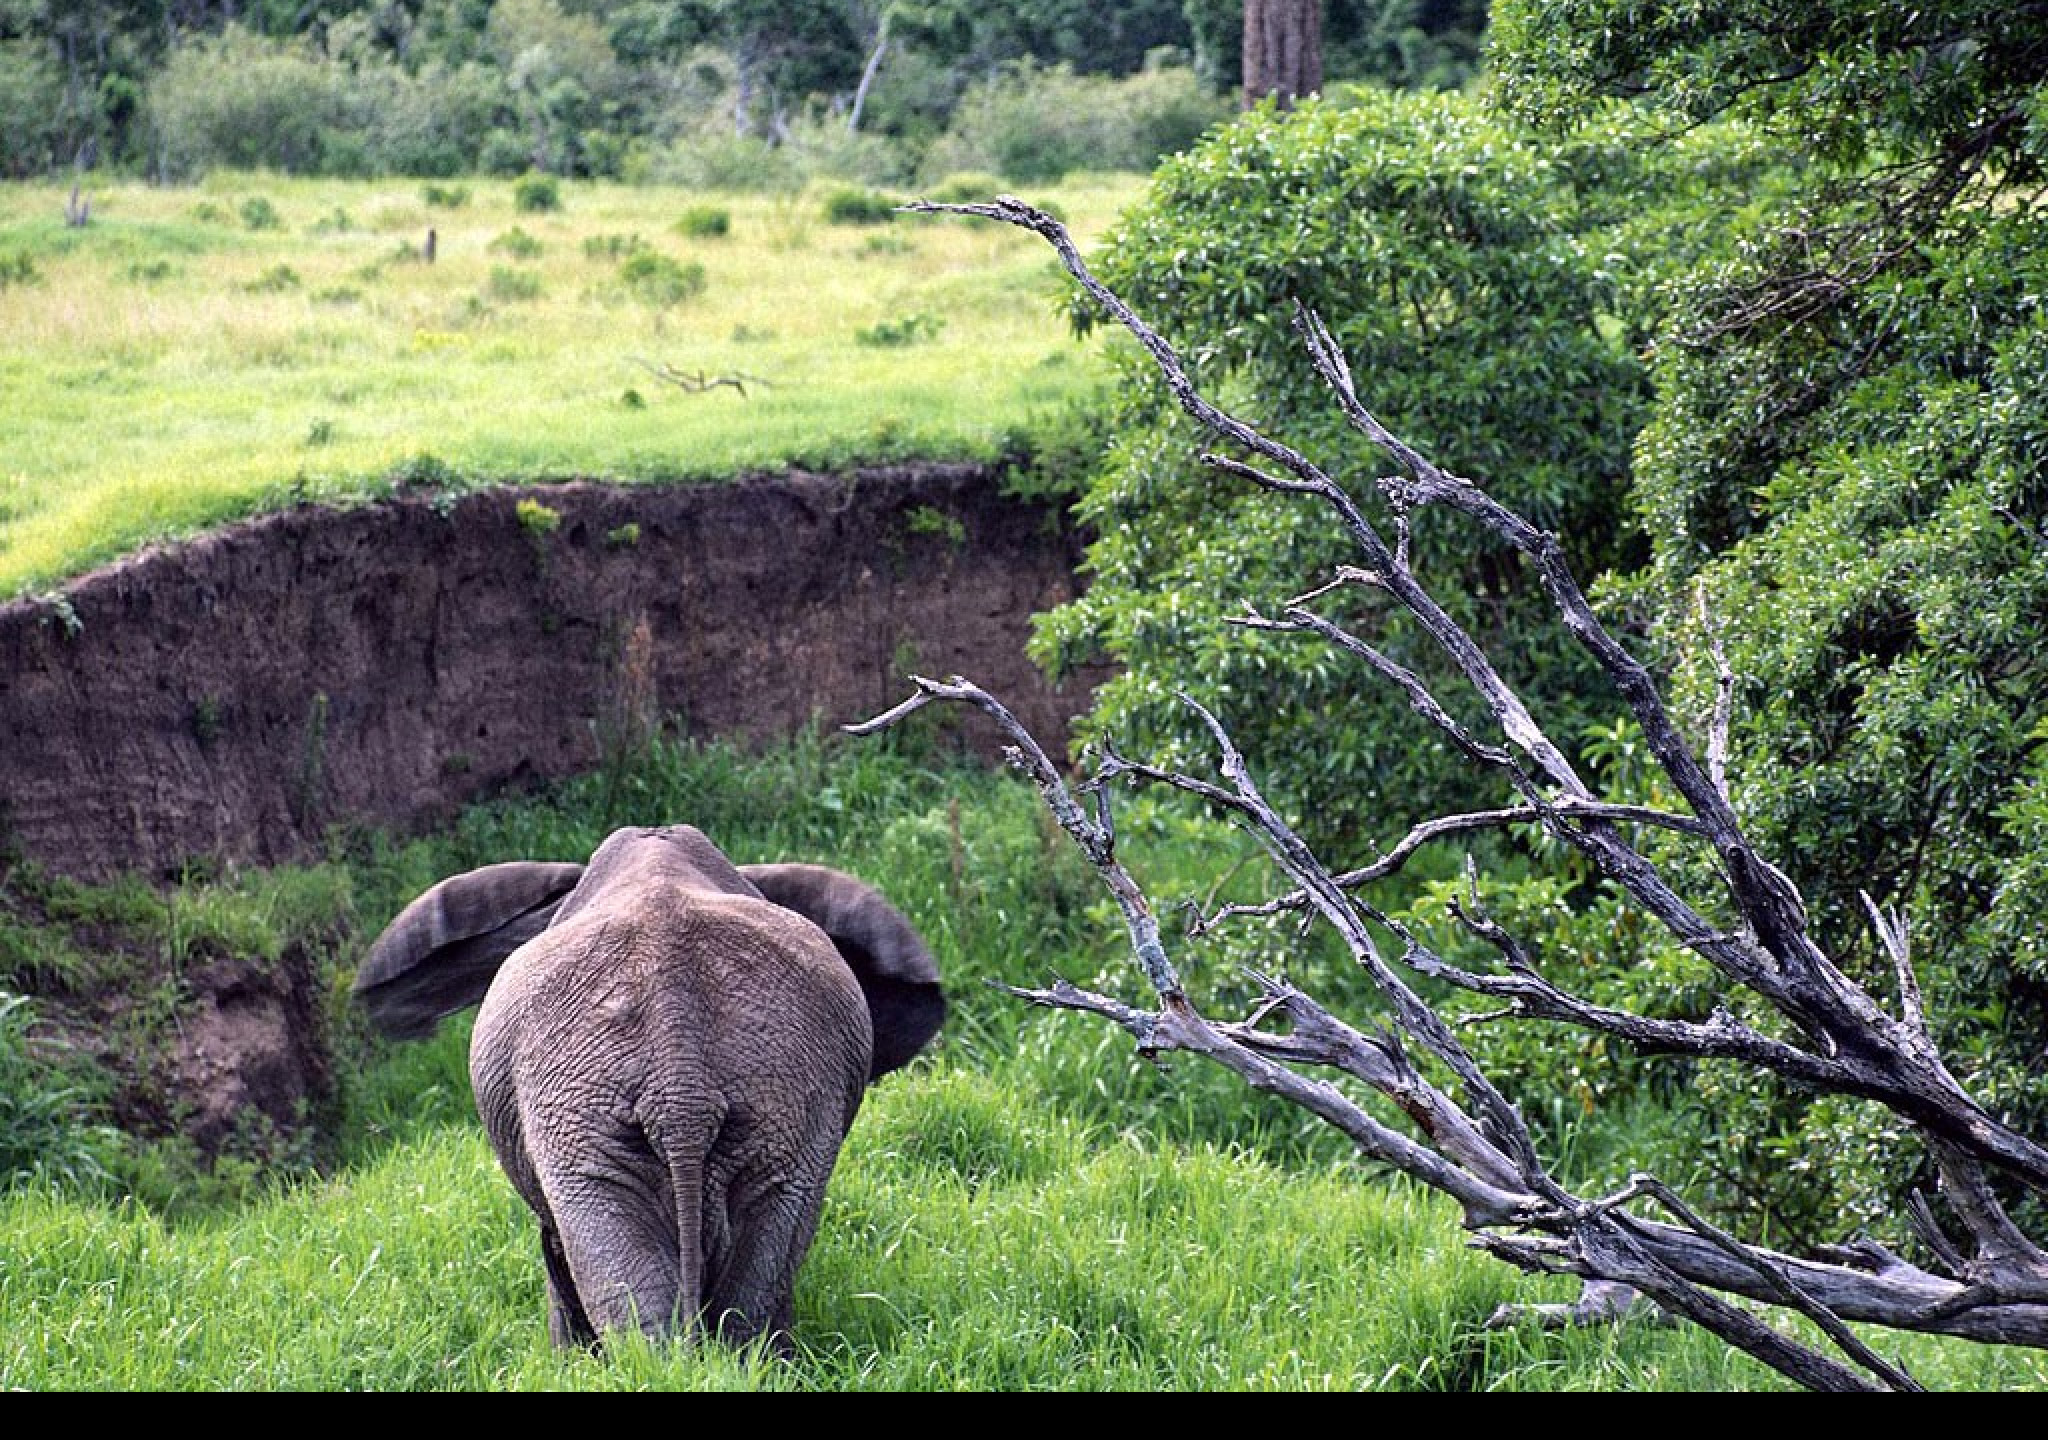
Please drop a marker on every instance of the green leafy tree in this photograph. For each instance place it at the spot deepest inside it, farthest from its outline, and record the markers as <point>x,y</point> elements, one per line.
<point>561,71</point>
<point>1847,459</point>
<point>1089,37</point>
<point>1467,271</point>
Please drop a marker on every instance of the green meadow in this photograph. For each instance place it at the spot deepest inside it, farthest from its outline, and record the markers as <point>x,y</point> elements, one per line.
<point>1030,1206</point>
<point>196,354</point>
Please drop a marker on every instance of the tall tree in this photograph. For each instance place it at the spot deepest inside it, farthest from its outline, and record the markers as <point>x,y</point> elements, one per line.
<point>1283,50</point>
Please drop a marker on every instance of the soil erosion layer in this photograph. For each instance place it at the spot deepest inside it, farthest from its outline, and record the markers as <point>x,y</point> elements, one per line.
<point>236,696</point>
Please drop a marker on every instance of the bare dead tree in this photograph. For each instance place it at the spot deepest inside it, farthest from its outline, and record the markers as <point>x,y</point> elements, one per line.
<point>1989,1281</point>
<point>699,382</point>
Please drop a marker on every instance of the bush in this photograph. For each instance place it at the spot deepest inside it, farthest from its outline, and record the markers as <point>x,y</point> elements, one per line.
<point>611,247</point>
<point>537,518</point>
<point>37,131</point>
<point>239,101</point>
<point>965,187</point>
<point>1035,124</point>
<point>503,153</point>
<point>654,279</point>
<point>903,330</point>
<point>259,214</point>
<point>274,281</point>
<point>1864,501</point>
<point>535,194</point>
<point>712,157</point>
<point>518,244</point>
<point>1451,254</point>
<point>859,207</point>
<point>445,197</point>
<point>705,222</point>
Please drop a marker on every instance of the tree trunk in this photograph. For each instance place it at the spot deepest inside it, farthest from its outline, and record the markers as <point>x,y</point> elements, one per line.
<point>1283,50</point>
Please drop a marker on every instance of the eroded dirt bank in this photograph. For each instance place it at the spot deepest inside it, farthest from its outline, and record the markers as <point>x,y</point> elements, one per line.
<point>233,697</point>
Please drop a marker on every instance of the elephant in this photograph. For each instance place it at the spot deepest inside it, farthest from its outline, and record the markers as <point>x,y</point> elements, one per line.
<point>668,1053</point>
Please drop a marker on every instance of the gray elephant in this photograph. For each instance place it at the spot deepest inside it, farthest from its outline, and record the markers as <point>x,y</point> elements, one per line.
<point>669,1052</point>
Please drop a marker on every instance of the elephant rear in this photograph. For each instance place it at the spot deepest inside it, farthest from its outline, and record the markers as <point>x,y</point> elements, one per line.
<point>667,1078</point>
<point>667,1057</point>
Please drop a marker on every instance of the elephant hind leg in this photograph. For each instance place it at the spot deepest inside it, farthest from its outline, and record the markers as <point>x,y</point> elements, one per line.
<point>618,1243</point>
<point>568,1325</point>
<point>753,1291</point>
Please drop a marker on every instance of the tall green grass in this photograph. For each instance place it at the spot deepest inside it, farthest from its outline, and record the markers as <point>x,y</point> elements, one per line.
<point>169,367</point>
<point>1030,1207</point>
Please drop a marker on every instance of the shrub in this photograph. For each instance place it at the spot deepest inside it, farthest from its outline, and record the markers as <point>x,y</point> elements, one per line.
<point>965,187</point>
<point>903,330</point>
<point>1863,499</point>
<point>37,129</point>
<point>537,519</point>
<point>18,267</point>
<point>612,247</point>
<point>705,222</point>
<point>654,279</point>
<point>274,281</point>
<point>503,153</point>
<point>259,214</point>
<point>445,197</point>
<point>535,194</point>
<point>241,101</point>
<point>720,160</point>
<point>852,206</point>
<point>1450,252</point>
<point>518,244</point>
<point>1031,123</point>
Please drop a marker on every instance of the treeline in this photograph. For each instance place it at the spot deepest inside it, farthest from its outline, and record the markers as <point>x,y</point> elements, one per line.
<point>690,90</point>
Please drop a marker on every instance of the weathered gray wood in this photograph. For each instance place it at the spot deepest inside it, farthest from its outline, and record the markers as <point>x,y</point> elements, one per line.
<point>1477,1150</point>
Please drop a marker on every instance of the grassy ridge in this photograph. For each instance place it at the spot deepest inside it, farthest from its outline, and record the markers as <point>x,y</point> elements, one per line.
<point>1030,1207</point>
<point>168,366</point>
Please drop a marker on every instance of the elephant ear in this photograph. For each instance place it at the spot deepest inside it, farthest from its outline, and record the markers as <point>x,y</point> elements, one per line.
<point>895,970</point>
<point>442,952</point>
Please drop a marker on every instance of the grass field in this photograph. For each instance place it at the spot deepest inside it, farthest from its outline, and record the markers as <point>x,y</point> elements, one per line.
<point>1030,1207</point>
<point>192,355</point>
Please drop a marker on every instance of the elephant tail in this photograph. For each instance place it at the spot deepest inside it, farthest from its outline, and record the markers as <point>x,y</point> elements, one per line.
<point>896,971</point>
<point>442,952</point>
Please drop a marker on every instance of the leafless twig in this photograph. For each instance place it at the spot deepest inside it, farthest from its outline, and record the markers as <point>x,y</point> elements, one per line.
<point>699,382</point>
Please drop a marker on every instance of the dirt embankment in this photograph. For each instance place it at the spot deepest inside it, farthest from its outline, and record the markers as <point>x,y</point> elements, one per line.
<point>233,697</point>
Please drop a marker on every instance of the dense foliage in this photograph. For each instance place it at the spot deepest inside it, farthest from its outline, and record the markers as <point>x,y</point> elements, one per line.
<point>1469,273</point>
<point>1847,454</point>
<point>611,87</point>
<point>1813,280</point>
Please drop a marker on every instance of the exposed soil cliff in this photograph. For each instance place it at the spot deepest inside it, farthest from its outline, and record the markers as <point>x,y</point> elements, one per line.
<point>235,696</point>
<point>232,698</point>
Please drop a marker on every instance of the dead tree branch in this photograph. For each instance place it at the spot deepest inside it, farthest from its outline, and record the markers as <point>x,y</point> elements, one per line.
<point>1469,1142</point>
<point>699,382</point>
